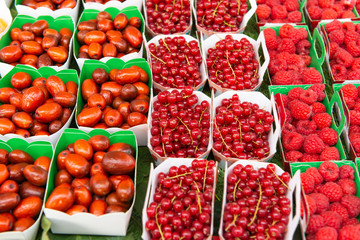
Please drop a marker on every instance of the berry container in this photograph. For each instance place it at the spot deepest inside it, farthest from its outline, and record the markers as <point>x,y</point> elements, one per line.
<point>116,4</point>
<point>330,108</point>
<point>141,130</point>
<point>325,37</point>
<point>246,18</point>
<point>300,167</point>
<point>260,42</point>
<point>159,88</point>
<point>317,59</point>
<point>346,111</point>
<point>54,23</point>
<point>264,103</point>
<point>65,75</point>
<point>153,182</point>
<point>158,159</point>
<point>111,224</point>
<point>302,4</point>
<point>153,34</point>
<point>5,16</point>
<point>44,11</point>
<point>8,3</point>
<point>293,195</point>
<point>35,149</point>
<point>89,14</point>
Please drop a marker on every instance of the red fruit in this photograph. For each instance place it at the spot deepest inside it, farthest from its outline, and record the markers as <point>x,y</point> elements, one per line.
<point>315,223</point>
<point>307,182</point>
<point>292,141</point>
<point>326,233</point>
<point>330,153</point>
<point>329,171</point>
<point>322,202</point>
<point>315,174</point>
<point>348,186</point>
<point>313,144</point>
<point>332,191</point>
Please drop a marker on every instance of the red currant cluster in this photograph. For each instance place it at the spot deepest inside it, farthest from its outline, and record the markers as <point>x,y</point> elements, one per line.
<point>168,16</point>
<point>257,206</point>
<point>176,62</point>
<point>241,129</point>
<point>232,64</point>
<point>180,125</point>
<point>221,16</point>
<point>182,203</point>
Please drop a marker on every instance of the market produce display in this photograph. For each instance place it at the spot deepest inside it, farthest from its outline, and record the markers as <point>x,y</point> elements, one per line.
<point>288,11</point>
<point>51,4</point>
<point>323,9</point>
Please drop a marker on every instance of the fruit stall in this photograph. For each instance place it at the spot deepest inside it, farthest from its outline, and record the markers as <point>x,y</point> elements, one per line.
<point>179,119</point>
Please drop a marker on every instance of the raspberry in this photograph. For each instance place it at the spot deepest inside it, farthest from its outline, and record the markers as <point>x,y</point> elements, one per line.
<point>322,202</point>
<point>307,182</point>
<point>313,144</point>
<point>329,136</point>
<point>334,25</point>
<point>332,191</point>
<point>285,99</point>
<point>278,12</point>
<point>351,221</point>
<point>344,57</point>
<point>350,91</point>
<point>292,141</point>
<point>357,107</point>
<point>352,204</point>
<point>263,11</point>
<point>351,36</point>
<point>354,129</point>
<point>315,223</point>
<point>288,117</point>
<point>292,5</point>
<point>286,45</point>
<point>312,171</point>
<point>326,3</point>
<point>295,16</point>
<point>287,128</point>
<point>353,48</point>
<point>318,107</point>
<point>272,3</point>
<point>284,30</point>
<point>348,14</point>
<point>314,12</point>
<point>322,120</point>
<point>333,48</point>
<point>298,34</point>
<point>329,154</point>
<point>295,93</point>
<point>326,233</point>
<point>282,78</point>
<point>311,203</point>
<point>270,39</point>
<point>311,237</point>
<point>311,76</point>
<point>349,232</point>
<point>350,103</point>
<point>329,14</point>
<point>310,158</point>
<point>348,26</point>
<point>356,145</point>
<point>339,71</point>
<point>340,209</point>
<point>348,186</point>
<point>329,171</point>
<point>319,89</point>
<point>293,156</point>
<point>300,110</point>
<point>356,64</point>
<point>347,171</point>
<point>353,75</point>
<point>354,117</point>
<point>302,47</point>
<point>308,96</point>
<point>306,59</point>
<point>277,65</point>
<point>337,36</point>
<point>354,135</point>
<point>306,127</point>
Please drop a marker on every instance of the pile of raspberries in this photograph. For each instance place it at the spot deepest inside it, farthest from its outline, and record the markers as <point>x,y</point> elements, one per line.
<point>278,11</point>
<point>351,96</point>
<point>344,50</point>
<point>330,9</point>
<point>332,204</point>
<point>306,134</point>
<point>289,57</point>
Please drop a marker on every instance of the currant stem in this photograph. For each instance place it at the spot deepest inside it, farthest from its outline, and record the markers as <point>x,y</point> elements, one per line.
<point>232,223</point>
<point>215,10</point>
<point>235,188</point>
<point>222,139</point>
<point>205,176</point>
<point>157,58</point>
<point>157,223</point>
<point>280,179</point>
<point>257,206</point>
<point>179,175</point>
<point>192,140</point>
<point>232,70</point>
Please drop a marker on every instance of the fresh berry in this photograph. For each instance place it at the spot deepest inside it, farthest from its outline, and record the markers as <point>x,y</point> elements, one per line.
<point>300,110</point>
<point>322,120</point>
<point>315,223</point>
<point>348,186</point>
<point>315,174</point>
<point>349,232</point>
<point>307,182</point>
<point>292,141</point>
<point>329,171</point>
<point>310,158</point>
<point>322,202</point>
<point>329,136</point>
<point>352,204</point>
<point>347,171</point>
<point>340,209</point>
<point>326,233</point>
<point>332,191</point>
<point>311,203</point>
<point>330,153</point>
<point>313,144</point>
<point>293,156</point>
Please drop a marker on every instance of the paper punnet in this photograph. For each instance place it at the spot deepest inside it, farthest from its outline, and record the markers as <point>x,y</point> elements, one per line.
<point>293,194</point>
<point>246,18</point>
<point>264,103</point>
<point>54,23</point>
<point>5,16</point>
<point>89,14</point>
<point>158,159</point>
<point>141,130</point>
<point>153,182</point>
<point>110,224</point>
<point>35,149</point>
<point>260,42</point>
<point>188,38</point>
<point>114,3</point>
<point>64,75</point>
<point>44,11</point>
